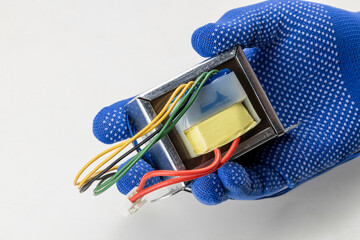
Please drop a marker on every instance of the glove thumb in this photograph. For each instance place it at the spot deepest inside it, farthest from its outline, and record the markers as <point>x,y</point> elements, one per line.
<point>109,125</point>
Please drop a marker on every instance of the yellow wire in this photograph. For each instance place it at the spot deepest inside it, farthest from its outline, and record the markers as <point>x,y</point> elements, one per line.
<point>122,143</point>
<point>145,130</point>
<point>153,124</point>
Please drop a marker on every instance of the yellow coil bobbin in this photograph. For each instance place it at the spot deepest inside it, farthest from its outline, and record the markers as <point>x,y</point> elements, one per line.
<point>220,129</point>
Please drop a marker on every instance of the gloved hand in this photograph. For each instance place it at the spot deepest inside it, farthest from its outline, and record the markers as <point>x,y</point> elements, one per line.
<point>307,58</point>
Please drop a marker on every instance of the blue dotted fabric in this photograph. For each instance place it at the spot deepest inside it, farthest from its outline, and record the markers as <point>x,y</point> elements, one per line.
<point>109,125</point>
<point>307,58</point>
<point>132,178</point>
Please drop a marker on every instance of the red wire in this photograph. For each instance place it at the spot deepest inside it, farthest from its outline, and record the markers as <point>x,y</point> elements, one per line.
<point>185,175</point>
<point>209,168</point>
<point>173,173</point>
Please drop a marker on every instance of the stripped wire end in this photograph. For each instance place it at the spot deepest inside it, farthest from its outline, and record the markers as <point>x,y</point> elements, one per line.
<point>127,207</point>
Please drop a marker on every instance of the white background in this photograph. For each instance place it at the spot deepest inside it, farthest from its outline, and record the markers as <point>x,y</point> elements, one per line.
<point>60,63</point>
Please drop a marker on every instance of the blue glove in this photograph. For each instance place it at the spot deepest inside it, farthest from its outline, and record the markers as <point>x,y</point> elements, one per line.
<point>307,58</point>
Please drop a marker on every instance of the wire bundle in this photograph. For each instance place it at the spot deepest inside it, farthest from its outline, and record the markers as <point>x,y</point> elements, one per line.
<point>179,102</point>
<point>184,175</point>
<point>120,146</point>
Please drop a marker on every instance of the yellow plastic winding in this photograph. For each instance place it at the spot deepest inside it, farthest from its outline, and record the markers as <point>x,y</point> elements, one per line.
<point>220,129</point>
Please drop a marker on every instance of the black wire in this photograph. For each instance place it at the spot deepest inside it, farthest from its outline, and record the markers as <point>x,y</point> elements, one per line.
<point>134,143</point>
<point>105,177</point>
<point>89,183</point>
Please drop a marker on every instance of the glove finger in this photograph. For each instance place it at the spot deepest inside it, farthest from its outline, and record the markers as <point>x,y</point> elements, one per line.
<point>109,125</point>
<point>252,26</point>
<point>237,182</point>
<point>132,178</point>
<point>209,190</point>
<point>250,182</point>
<point>288,161</point>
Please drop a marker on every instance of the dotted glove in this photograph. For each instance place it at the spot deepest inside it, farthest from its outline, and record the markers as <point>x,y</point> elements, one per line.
<point>307,58</point>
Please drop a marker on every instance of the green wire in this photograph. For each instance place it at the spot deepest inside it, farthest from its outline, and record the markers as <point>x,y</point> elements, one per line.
<point>164,131</point>
<point>103,187</point>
